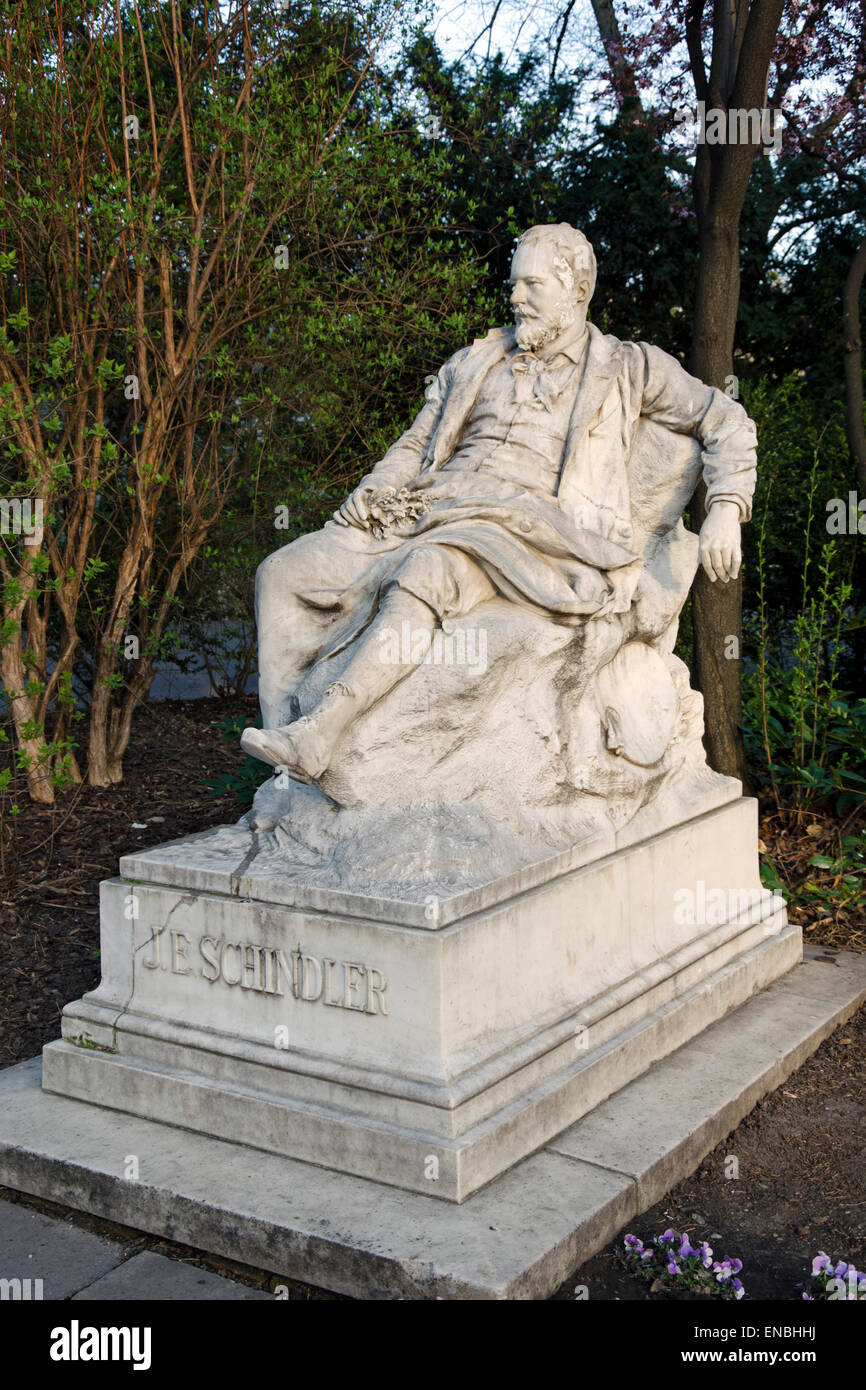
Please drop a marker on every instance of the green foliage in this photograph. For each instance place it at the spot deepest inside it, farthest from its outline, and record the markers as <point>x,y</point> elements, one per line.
<point>295,255</point>
<point>802,462</point>
<point>395,242</point>
<point>245,782</point>
<point>806,735</point>
<point>842,882</point>
<point>55,761</point>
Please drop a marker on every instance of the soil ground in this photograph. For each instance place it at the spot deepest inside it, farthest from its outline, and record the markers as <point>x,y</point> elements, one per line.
<point>801,1184</point>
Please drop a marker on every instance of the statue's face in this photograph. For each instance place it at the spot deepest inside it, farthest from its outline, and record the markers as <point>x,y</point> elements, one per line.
<point>543,307</point>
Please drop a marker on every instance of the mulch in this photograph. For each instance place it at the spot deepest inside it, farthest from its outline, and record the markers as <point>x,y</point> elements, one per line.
<point>792,839</point>
<point>49,914</point>
<point>802,1180</point>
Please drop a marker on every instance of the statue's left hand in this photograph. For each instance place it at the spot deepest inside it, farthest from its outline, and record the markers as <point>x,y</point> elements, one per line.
<point>355,511</point>
<point>720,552</point>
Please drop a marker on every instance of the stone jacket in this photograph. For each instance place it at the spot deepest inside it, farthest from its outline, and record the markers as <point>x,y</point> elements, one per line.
<point>620,384</point>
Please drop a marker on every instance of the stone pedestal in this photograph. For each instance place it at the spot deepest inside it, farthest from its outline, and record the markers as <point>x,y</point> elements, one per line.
<point>429,1045</point>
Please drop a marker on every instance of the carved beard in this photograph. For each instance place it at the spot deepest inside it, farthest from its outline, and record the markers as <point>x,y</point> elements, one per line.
<point>533,333</point>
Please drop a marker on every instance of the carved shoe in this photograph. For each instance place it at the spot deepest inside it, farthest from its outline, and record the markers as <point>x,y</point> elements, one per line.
<point>299,748</point>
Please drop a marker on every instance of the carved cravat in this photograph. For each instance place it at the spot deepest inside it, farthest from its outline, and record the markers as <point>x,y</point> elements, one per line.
<point>537,382</point>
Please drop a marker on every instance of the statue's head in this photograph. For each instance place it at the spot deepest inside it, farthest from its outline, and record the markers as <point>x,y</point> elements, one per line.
<point>552,276</point>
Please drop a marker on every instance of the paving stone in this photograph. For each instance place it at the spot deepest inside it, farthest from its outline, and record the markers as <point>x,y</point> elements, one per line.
<point>34,1246</point>
<point>148,1277</point>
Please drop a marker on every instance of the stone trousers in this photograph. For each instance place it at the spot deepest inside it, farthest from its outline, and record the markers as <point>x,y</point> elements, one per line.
<point>313,592</point>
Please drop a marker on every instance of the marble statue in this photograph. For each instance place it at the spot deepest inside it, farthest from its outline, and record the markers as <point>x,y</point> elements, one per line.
<point>475,655</point>
<point>473,900</point>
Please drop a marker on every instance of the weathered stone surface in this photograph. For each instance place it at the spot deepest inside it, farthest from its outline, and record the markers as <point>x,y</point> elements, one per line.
<point>717,1079</point>
<point>457,918</point>
<point>381,1048</point>
<point>470,667</point>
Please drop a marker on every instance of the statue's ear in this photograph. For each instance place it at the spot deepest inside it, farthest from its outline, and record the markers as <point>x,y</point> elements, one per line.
<point>613,734</point>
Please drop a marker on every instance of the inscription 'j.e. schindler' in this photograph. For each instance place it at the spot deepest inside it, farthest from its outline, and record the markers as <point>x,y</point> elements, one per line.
<point>344,984</point>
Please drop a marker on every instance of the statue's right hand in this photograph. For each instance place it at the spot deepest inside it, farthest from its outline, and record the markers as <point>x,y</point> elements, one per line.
<point>355,511</point>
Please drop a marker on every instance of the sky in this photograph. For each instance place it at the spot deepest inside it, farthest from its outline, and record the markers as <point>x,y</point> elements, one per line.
<point>511,26</point>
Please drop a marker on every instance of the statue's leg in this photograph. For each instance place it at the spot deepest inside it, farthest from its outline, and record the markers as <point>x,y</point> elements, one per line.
<point>432,582</point>
<point>300,598</point>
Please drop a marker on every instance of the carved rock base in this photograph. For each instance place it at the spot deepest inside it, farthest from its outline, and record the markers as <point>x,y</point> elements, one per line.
<point>427,1049</point>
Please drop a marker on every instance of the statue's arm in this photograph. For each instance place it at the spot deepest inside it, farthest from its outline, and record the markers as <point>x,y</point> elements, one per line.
<point>672,397</point>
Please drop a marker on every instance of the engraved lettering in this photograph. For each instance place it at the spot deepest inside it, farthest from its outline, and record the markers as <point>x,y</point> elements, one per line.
<point>262,959</point>
<point>352,986</point>
<point>339,984</point>
<point>270,971</point>
<point>229,946</point>
<point>318,975</point>
<point>210,961</point>
<point>154,944</point>
<point>282,967</point>
<point>180,944</point>
<point>249,968</point>
<point>376,991</point>
<point>328,997</point>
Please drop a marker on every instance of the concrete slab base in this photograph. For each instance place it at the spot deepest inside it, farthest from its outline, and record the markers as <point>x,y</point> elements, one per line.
<point>517,1238</point>
<point>432,1057</point>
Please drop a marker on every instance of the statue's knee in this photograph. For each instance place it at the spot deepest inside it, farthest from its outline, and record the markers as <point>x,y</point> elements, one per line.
<point>423,566</point>
<point>276,575</point>
<point>446,579</point>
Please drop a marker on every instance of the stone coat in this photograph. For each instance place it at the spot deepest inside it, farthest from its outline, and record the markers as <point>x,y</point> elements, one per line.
<point>620,384</point>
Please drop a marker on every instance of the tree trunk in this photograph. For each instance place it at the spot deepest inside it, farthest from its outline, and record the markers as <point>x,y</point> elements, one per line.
<point>621,72</point>
<point>852,344</point>
<point>717,623</point>
<point>743,38</point>
<point>22,713</point>
<point>104,766</point>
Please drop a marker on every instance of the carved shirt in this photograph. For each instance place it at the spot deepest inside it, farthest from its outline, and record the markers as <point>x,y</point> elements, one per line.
<point>519,423</point>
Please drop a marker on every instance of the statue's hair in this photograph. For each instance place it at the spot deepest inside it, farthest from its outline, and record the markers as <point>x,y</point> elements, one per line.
<point>575,253</point>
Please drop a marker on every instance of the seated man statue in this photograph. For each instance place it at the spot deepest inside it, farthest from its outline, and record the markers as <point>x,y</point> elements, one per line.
<point>516,483</point>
